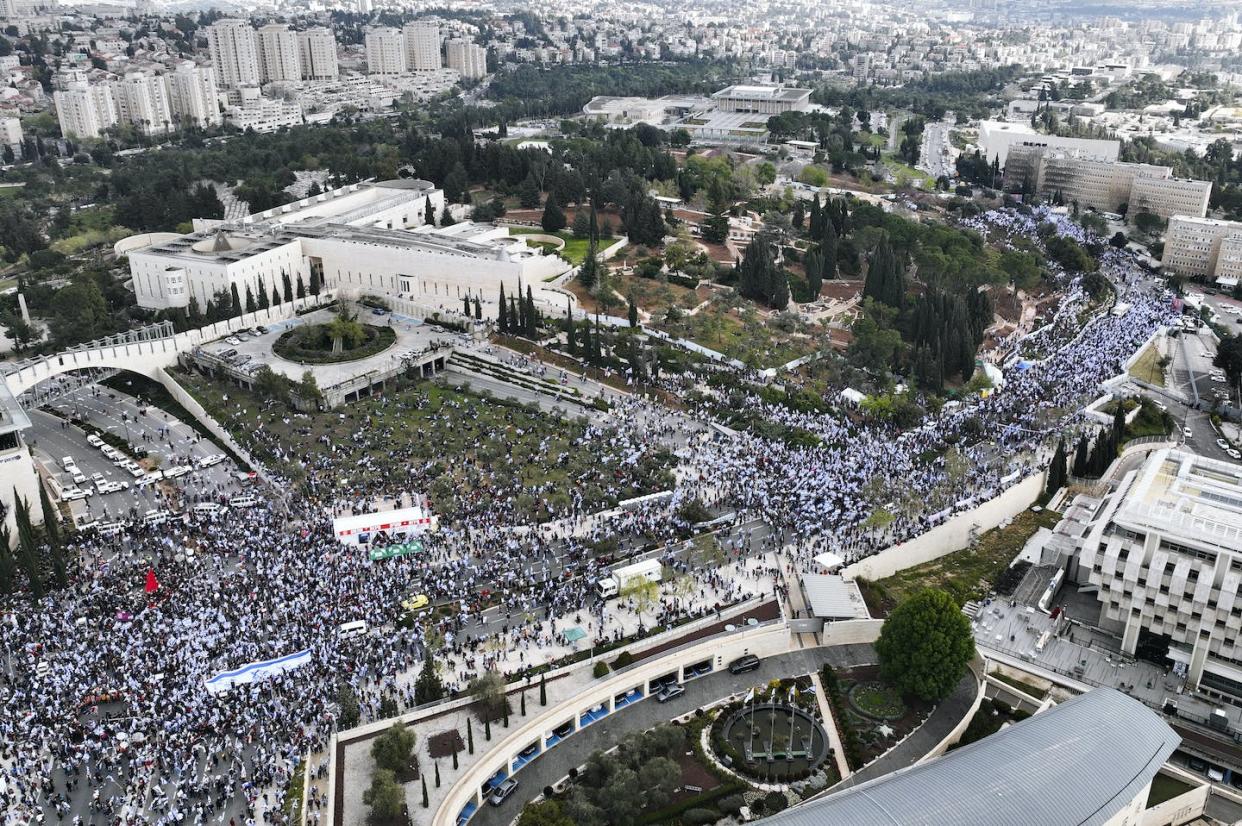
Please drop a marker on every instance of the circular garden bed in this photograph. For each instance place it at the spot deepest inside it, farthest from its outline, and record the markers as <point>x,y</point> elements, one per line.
<point>312,344</point>
<point>877,701</point>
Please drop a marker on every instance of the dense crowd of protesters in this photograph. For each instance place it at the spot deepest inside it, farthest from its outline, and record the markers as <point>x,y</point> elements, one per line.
<point>106,718</point>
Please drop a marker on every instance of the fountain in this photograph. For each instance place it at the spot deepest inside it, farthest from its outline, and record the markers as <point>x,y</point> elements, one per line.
<point>775,741</point>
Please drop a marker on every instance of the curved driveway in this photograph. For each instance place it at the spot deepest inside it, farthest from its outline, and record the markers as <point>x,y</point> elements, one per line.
<point>574,751</point>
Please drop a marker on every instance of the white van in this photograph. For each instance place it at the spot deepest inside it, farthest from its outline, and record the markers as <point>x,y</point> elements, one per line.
<point>352,629</point>
<point>68,464</point>
<point>208,509</point>
<point>94,441</point>
<point>111,528</point>
<point>155,517</point>
<point>244,502</point>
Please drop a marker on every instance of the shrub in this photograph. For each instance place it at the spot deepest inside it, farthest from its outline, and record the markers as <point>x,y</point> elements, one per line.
<point>774,802</point>
<point>623,659</point>
<point>732,804</point>
<point>700,817</point>
<point>601,669</point>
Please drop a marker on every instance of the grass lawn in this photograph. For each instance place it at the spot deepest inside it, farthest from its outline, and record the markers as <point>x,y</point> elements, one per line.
<point>1165,788</point>
<point>744,335</point>
<point>917,176</point>
<point>8,191</point>
<point>1148,367</point>
<point>575,250</point>
<point>465,451</point>
<point>876,699</point>
<point>966,574</point>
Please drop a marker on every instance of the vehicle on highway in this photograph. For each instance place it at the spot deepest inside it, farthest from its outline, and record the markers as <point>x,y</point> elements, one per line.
<point>94,441</point>
<point>671,691</point>
<point>213,459</point>
<point>743,664</point>
<point>501,793</point>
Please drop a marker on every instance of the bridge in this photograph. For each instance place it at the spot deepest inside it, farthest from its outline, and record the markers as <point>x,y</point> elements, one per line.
<point>147,350</point>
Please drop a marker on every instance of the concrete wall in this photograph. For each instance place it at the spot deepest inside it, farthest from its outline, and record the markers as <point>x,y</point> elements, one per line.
<point>1183,808</point>
<point>958,730</point>
<point>851,632</point>
<point>195,409</point>
<point>953,535</point>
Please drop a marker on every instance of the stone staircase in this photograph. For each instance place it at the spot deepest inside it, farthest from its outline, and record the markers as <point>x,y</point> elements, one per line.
<point>473,364</point>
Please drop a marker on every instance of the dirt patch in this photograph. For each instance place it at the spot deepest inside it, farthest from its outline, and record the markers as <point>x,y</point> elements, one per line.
<point>445,744</point>
<point>841,290</point>
<point>693,774</point>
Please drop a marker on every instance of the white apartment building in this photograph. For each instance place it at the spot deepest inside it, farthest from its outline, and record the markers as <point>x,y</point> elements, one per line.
<point>317,50</point>
<point>248,109</point>
<point>11,134</point>
<point>1091,183</point>
<point>85,111</point>
<point>1165,552</point>
<point>371,237</point>
<point>422,45</point>
<point>279,59</point>
<point>193,95</point>
<point>1203,248</point>
<point>234,53</point>
<point>385,51</point>
<point>142,101</point>
<point>469,59</point>
<point>996,137</point>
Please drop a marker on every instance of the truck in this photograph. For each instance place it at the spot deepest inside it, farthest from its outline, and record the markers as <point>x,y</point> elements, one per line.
<point>610,585</point>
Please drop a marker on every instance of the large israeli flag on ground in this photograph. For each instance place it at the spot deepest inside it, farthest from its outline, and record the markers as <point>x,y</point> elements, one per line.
<point>254,672</point>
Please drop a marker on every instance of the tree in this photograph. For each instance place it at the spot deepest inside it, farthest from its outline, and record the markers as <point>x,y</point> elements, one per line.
<point>392,749</point>
<point>51,529</point>
<point>553,218</point>
<point>470,734</point>
<point>1056,470</point>
<point>545,813</point>
<point>503,320</point>
<point>8,565</point>
<point>633,312</point>
<point>543,689</point>
<point>80,313</point>
<point>925,645</point>
<point>531,327</point>
<point>301,288</point>
<point>26,551</point>
<point>385,797</point>
<point>348,702</point>
<point>286,285</point>
<point>428,688</point>
<point>488,691</point>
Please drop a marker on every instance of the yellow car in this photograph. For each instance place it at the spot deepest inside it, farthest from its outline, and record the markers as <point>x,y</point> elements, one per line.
<point>415,602</point>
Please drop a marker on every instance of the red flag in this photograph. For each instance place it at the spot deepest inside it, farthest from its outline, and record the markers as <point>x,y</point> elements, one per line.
<point>152,582</point>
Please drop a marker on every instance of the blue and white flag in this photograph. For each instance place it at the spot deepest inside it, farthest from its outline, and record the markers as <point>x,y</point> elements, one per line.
<point>254,672</point>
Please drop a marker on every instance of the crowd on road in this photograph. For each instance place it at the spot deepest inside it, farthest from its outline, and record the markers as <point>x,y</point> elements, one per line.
<point>106,718</point>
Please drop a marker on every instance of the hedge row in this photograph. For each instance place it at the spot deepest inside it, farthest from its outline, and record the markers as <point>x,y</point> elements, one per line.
<point>849,737</point>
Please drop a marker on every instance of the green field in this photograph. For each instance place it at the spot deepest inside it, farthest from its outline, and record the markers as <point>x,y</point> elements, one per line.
<point>575,250</point>
<point>966,574</point>
<point>463,450</point>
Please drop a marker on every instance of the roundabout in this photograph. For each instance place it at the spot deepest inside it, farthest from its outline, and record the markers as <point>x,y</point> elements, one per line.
<point>339,340</point>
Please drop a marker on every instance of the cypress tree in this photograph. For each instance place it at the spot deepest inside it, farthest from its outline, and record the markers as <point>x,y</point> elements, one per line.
<point>51,519</point>
<point>814,273</point>
<point>1056,470</point>
<point>315,281</point>
<point>543,690</point>
<point>1080,456</point>
<point>521,327</point>
<point>287,286</point>
<point>523,703</point>
<point>438,770</point>
<point>470,734</point>
<point>26,553</point>
<point>586,342</point>
<point>426,802</point>
<point>532,320</point>
<point>250,306</point>
<point>8,565</point>
<point>478,309</point>
<point>263,305</point>
<point>504,311</point>
<point>633,312</point>
<point>465,306</point>
<point>301,290</point>
<point>515,318</point>
<point>237,305</point>
<point>487,728</point>
<point>570,331</point>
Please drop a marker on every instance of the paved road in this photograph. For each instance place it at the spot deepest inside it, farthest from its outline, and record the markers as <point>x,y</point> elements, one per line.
<point>936,154</point>
<point>162,436</point>
<point>641,716</point>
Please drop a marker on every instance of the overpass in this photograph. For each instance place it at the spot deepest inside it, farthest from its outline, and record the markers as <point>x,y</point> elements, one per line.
<point>148,350</point>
